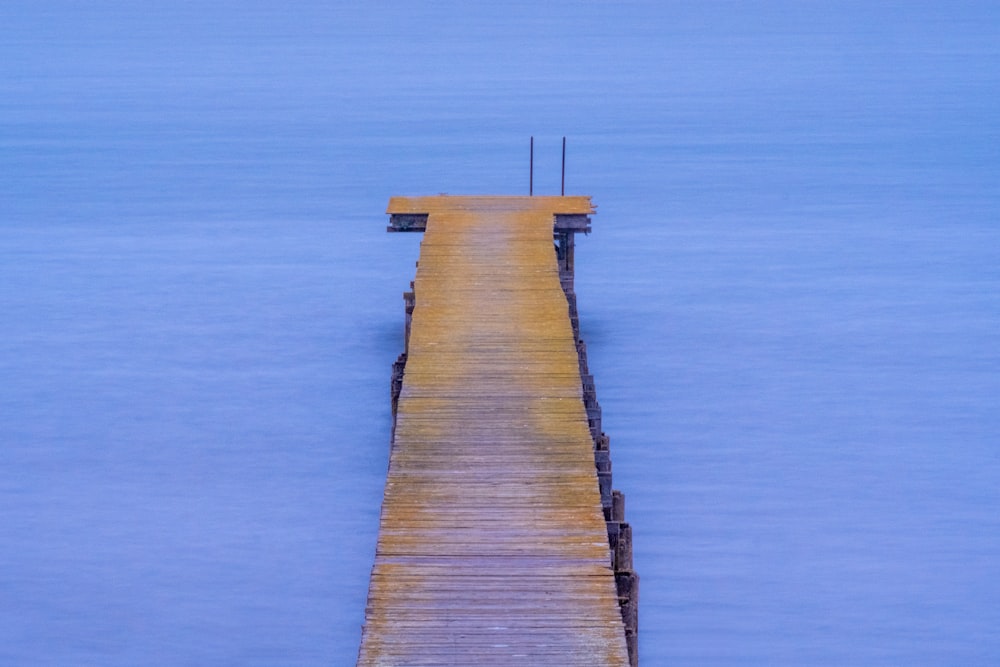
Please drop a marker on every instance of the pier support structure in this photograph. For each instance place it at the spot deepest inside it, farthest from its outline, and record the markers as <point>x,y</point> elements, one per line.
<point>565,229</point>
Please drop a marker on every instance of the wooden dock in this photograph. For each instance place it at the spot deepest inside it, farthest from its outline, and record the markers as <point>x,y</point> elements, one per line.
<point>500,540</point>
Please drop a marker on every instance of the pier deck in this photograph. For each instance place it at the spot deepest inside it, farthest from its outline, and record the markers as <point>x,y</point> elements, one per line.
<point>493,546</point>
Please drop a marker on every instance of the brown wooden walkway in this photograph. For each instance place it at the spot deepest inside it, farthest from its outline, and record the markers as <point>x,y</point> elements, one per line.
<point>492,548</point>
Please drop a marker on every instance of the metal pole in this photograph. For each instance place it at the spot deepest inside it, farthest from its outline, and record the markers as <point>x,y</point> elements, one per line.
<point>562,190</point>
<point>531,169</point>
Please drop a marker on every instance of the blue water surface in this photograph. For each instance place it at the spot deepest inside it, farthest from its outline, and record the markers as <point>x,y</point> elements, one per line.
<point>791,300</point>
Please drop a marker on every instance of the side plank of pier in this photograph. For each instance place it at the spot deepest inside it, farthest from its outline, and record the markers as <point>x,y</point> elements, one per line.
<point>493,544</point>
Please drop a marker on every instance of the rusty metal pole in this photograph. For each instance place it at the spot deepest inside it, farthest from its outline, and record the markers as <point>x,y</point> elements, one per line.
<point>531,168</point>
<point>562,189</point>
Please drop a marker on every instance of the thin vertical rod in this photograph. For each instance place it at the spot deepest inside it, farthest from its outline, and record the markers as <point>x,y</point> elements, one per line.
<point>562,190</point>
<point>531,169</point>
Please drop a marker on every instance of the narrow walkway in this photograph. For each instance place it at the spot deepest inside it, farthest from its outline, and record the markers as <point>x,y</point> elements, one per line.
<point>492,548</point>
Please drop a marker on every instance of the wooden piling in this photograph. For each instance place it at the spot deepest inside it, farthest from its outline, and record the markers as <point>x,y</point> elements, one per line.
<point>612,501</point>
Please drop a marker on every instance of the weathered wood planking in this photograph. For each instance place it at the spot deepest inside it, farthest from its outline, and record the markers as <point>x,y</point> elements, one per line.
<point>493,548</point>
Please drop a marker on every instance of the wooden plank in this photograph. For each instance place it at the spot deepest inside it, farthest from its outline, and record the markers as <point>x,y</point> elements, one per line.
<point>493,548</point>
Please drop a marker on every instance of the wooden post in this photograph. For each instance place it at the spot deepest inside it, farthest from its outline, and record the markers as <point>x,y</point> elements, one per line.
<point>409,301</point>
<point>628,598</point>
<point>617,505</point>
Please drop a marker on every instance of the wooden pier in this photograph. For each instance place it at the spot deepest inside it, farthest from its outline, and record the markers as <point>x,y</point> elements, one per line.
<point>501,541</point>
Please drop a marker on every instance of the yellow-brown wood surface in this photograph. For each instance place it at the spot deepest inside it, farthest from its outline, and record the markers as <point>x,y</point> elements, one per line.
<point>492,547</point>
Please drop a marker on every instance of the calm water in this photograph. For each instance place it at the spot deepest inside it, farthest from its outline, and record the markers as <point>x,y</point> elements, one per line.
<point>791,299</point>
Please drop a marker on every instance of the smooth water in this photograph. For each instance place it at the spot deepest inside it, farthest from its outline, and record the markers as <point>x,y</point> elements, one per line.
<point>791,300</point>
